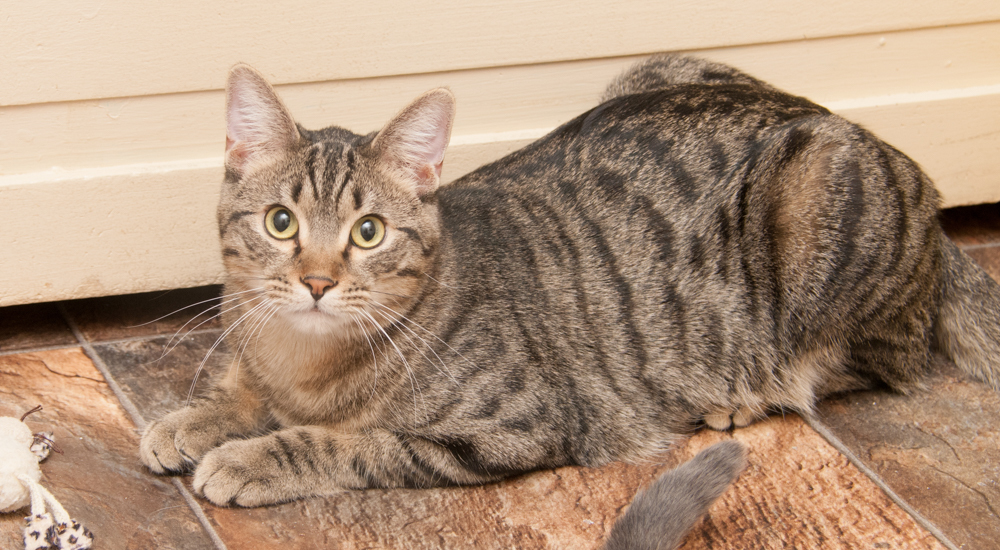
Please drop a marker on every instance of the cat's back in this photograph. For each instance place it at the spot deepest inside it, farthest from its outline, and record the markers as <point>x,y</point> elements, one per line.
<point>732,219</point>
<point>687,124</point>
<point>634,174</point>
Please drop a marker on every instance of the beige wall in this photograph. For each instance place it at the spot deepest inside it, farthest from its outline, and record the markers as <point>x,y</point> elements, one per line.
<point>111,122</point>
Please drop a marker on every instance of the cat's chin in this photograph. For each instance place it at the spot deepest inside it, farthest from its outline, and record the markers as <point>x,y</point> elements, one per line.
<point>317,322</point>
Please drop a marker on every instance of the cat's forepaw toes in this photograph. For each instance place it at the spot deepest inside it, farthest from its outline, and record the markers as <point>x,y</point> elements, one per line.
<point>226,476</point>
<point>159,452</point>
<point>177,442</point>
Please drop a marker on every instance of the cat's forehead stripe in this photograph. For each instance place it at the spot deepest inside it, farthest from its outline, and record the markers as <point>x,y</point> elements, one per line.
<point>309,162</point>
<point>332,151</point>
<point>347,156</point>
<point>311,155</point>
<point>357,198</point>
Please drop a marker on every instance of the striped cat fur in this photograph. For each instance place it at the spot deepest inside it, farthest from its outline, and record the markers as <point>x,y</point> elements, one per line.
<point>699,248</point>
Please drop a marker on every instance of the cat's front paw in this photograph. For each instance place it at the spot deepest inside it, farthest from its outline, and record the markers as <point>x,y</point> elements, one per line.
<point>176,442</point>
<point>244,473</point>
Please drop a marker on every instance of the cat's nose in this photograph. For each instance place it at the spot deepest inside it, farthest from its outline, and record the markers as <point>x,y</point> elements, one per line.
<point>318,285</point>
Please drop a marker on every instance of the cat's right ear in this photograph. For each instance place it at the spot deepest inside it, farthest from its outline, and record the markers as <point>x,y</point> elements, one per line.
<point>258,124</point>
<point>413,143</point>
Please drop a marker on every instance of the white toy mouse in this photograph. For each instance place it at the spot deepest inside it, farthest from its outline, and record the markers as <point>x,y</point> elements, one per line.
<point>20,452</point>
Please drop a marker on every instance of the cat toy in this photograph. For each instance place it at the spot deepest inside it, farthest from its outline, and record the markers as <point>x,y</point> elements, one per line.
<point>20,452</point>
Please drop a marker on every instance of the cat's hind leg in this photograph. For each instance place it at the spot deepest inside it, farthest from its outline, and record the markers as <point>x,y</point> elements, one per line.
<point>795,387</point>
<point>719,419</point>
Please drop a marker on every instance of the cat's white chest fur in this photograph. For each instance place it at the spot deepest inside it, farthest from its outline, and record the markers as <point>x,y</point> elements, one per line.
<point>305,373</point>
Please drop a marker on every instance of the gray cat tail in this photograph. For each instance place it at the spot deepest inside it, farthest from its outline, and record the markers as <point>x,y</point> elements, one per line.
<point>660,516</point>
<point>968,326</point>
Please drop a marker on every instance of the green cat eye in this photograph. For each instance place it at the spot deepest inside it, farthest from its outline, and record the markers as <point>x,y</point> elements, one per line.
<point>368,232</point>
<point>281,223</point>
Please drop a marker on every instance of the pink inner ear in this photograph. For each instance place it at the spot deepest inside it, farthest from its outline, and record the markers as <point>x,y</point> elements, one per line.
<point>236,153</point>
<point>415,141</point>
<point>257,123</point>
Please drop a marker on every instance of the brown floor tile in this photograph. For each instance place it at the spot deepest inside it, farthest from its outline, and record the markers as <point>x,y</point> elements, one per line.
<point>798,492</point>
<point>134,315</point>
<point>939,450</point>
<point>973,225</point>
<point>98,478</point>
<point>157,380</point>
<point>33,326</point>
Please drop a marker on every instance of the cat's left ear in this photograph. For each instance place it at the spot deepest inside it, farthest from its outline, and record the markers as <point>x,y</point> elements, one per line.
<point>413,143</point>
<point>258,125</point>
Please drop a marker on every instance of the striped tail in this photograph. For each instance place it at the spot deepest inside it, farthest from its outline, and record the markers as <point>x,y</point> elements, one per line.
<point>660,516</point>
<point>968,325</point>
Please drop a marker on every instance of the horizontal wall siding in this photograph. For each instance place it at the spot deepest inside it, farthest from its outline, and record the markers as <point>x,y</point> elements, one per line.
<point>82,49</point>
<point>111,114</point>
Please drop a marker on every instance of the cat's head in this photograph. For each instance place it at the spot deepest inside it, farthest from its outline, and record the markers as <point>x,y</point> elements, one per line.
<point>331,227</point>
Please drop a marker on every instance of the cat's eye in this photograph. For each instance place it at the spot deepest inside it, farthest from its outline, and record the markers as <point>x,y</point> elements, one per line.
<point>368,232</point>
<point>281,223</point>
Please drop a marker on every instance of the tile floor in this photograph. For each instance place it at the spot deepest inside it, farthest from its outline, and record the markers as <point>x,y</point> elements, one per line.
<point>869,470</point>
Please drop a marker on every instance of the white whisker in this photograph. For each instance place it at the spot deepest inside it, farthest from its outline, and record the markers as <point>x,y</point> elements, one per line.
<point>242,343</point>
<point>402,324</point>
<point>371,346</point>
<point>216,344</point>
<point>168,348</point>
<point>391,294</point>
<point>416,324</point>
<point>191,306</point>
<point>275,309</point>
<point>414,385</point>
<point>439,282</point>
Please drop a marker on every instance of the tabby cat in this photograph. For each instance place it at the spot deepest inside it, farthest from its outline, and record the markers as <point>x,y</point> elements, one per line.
<point>699,248</point>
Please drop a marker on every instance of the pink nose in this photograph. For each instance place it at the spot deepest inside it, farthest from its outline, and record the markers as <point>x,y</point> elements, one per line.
<point>318,285</point>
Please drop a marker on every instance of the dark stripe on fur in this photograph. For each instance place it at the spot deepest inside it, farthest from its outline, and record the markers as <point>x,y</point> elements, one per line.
<point>289,455</point>
<point>333,157</point>
<point>311,167</point>
<point>308,447</point>
<point>466,454</point>
<point>348,172</point>
<point>364,473</point>
<point>357,197</point>
<point>235,216</point>
<point>420,473</point>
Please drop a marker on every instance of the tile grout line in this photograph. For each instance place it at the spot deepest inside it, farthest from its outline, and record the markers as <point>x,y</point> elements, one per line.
<point>199,513</point>
<point>4,353</point>
<point>138,420</point>
<point>836,443</point>
<point>89,350</point>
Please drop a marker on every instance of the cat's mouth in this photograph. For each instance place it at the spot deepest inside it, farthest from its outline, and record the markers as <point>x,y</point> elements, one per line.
<point>315,312</point>
<point>315,318</point>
